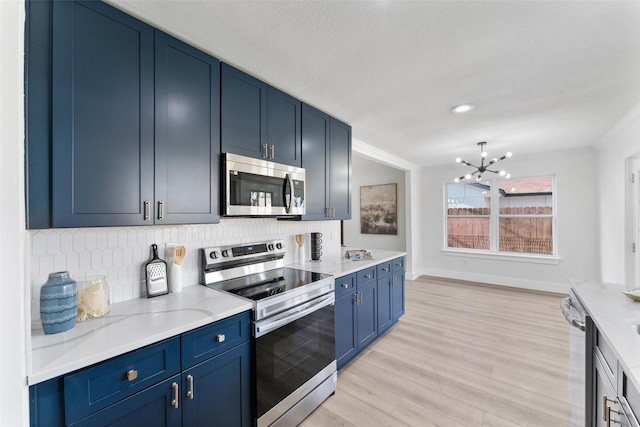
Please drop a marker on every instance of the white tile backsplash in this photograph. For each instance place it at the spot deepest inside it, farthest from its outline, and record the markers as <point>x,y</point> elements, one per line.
<point>121,253</point>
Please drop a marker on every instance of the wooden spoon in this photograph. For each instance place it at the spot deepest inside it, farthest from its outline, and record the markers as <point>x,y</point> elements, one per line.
<point>179,253</point>
<point>300,239</point>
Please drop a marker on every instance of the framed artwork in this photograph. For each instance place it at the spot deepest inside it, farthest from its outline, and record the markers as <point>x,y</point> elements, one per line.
<point>378,209</point>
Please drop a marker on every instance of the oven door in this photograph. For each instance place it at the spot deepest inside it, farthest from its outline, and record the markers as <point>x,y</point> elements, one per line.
<point>260,188</point>
<point>293,357</point>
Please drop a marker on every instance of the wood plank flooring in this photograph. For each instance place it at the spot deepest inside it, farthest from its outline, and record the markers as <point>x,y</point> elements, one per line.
<point>465,354</point>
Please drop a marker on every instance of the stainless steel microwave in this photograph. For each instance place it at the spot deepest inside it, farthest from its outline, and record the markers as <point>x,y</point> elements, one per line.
<point>254,187</point>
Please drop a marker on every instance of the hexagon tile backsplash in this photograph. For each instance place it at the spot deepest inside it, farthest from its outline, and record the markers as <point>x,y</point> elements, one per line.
<point>121,253</point>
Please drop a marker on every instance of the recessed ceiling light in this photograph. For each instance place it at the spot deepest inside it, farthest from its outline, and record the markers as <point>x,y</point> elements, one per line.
<point>463,108</point>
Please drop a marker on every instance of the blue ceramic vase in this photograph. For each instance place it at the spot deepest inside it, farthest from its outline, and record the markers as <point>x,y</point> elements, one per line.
<point>58,303</point>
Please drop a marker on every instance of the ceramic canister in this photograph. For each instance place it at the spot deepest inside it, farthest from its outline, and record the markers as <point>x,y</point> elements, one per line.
<point>58,303</point>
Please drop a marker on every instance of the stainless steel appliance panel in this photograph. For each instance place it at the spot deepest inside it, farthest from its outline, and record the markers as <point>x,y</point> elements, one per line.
<point>254,187</point>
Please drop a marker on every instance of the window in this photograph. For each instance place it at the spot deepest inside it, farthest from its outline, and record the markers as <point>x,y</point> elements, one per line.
<point>502,216</point>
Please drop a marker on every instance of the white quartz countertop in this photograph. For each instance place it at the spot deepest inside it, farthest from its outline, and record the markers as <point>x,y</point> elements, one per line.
<point>340,266</point>
<point>139,322</point>
<point>614,315</point>
<point>128,326</point>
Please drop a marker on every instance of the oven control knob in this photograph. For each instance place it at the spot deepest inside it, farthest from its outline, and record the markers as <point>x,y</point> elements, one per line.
<point>270,247</point>
<point>279,245</point>
<point>213,255</point>
<point>225,253</point>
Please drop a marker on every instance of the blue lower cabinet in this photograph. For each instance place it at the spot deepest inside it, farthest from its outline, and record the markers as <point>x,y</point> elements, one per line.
<point>385,289</point>
<point>155,406</point>
<point>345,321</point>
<point>367,324</point>
<point>216,392</point>
<point>152,387</point>
<point>368,303</point>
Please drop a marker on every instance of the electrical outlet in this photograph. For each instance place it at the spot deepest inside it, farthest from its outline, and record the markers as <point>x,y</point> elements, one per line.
<point>168,252</point>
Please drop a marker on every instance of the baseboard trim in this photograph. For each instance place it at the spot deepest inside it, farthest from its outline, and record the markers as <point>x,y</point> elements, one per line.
<point>512,282</point>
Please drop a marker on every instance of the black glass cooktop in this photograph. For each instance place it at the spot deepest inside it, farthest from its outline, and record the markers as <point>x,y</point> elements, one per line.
<point>286,279</point>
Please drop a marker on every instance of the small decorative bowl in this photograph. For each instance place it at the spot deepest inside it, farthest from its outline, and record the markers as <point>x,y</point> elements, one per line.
<point>634,294</point>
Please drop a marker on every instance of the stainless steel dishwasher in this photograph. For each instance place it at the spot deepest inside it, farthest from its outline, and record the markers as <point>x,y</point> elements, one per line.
<point>576,316</point>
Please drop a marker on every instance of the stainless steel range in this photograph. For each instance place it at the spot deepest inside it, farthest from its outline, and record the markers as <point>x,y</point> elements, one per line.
<point>294,358</point>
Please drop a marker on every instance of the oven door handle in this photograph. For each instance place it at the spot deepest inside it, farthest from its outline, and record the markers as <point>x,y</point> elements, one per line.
<point>293,314</point>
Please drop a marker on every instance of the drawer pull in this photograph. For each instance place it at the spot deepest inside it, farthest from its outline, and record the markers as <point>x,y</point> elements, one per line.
<point>190,392</point>
<point>367,276</point>
<point>608,415</point>
<point>386,269</point>
<point>220,337</point>
<point>132,375</point>
<point>345,285</point>
<point>174,402</point>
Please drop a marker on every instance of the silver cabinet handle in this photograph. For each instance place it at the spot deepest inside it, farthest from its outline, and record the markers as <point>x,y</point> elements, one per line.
<point>147,206</point>
<point>273,151</point>
<point>345,285</point>
<point>174,402</point>
<point>190,392</point>
<point>386,269</point>
<point>266,153</point>
<point>220,338</point>
<point>161,209</point>
<point>367,276</point>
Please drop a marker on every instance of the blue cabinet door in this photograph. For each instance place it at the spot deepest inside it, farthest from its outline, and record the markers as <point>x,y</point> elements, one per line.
<point>397,297</point>
<point>385,317</point>
<point>217,392</point>
<point>244,114</point>
<point>339,183</point>
<point>187,133</point>
<point>284,134</point>
<point>345,324</point>
<point>102,117</point>
<point>367,322</point>
<point>315,136</point>
<point>155,406</point>
<point>326,157</point>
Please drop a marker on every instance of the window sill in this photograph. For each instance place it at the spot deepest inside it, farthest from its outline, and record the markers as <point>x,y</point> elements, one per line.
<point>529,258</point>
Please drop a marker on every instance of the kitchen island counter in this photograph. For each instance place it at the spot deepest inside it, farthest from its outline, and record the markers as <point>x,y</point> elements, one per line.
<point>128,326</point>
<point>615,316</point>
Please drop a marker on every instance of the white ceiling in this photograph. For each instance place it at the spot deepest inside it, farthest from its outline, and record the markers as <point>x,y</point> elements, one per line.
<point>544,75</point>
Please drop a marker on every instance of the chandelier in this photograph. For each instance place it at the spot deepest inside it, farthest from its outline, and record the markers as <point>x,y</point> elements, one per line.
<point>483,167</point>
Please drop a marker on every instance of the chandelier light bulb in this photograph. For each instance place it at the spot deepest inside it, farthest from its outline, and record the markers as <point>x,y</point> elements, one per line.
<point>502,173</point>
<point>495,159</point>
<point>484,154</point>
<point>458,160</point>
<point>479,178</point>
<point>509,154</point>
<point>468,176</point>
<point>457,180</point>
<point>508,175</point>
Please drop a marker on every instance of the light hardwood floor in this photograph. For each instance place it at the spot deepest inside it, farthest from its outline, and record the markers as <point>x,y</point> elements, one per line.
<point>465,355</point>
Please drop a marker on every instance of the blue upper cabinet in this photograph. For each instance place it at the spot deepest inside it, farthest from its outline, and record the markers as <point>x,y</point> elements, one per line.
<point>135,125</point>
<point>102,133</point>
<point>258,120</point>
<point>187,133</point>
<point>326,157</point>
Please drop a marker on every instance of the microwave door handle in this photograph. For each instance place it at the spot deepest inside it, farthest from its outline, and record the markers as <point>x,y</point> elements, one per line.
<point>287,206</point>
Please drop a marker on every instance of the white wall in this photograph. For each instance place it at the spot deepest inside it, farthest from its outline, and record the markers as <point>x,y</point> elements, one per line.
<point>367,172</point>
<point>622,142</point>
<point>577,225</point>
<point>14,401</point>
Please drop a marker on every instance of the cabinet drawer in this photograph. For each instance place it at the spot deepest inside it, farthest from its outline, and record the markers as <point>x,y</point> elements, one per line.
<point>210,340</point>
<point>101,385</point>
<point>385,269</point>
<point>366,276</point>
<point>398,265</point>
<point>345,285</point>
<point>604,350</point>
